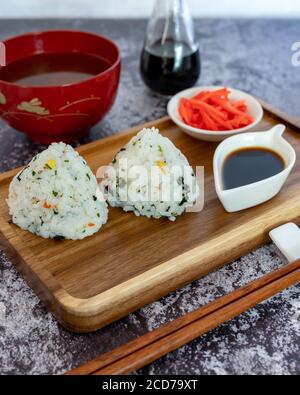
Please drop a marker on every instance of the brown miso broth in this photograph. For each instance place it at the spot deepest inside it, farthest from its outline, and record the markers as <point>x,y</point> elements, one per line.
<point>249,165</point>
<point>49,69</point>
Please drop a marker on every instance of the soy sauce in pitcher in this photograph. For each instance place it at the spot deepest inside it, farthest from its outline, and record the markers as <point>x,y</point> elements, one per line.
<point>170,68</point>
<point>170,60</point>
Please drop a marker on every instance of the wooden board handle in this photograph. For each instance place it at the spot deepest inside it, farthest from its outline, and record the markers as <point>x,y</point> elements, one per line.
<point>291,120</point>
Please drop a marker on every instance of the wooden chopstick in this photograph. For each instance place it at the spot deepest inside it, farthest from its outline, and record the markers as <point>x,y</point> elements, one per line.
<point>153,345</point>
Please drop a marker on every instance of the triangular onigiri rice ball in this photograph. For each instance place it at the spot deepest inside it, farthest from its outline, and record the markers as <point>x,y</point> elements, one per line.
<point>151,177</point>
<point>57,196</point>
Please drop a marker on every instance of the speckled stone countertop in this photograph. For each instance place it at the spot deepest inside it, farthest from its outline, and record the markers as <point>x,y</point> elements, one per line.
<point>251,55</point>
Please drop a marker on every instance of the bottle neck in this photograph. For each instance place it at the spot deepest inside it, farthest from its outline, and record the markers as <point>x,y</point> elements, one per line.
<point>170,21</point>
<point>169,7</point>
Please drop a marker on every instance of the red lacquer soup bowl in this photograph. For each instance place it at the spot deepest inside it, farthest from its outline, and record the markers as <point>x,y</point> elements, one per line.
<point>67,110</point>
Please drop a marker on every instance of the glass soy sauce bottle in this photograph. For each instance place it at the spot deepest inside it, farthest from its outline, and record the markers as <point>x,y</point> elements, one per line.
<point>170,60</point>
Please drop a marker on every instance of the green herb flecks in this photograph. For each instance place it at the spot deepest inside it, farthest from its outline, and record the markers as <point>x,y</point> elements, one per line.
<point>184,200</point>
<point>19,176</point>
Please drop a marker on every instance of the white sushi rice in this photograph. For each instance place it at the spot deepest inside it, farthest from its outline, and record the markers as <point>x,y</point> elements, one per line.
<point>57,196</point>
<point>151,177</point>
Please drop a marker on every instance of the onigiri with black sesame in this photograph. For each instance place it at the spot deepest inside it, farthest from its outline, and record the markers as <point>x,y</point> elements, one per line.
<point>151,177</point>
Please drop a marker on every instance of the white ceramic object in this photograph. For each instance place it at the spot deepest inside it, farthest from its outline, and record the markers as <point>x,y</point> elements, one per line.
<point>287,239</point>
<point>254,109</point>
<point>256,193</point>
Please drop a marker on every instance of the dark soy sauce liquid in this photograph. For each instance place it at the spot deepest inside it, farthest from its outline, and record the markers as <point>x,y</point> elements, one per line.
<point>49,69</point>
<point>170,67</point>
<point>250,165</point>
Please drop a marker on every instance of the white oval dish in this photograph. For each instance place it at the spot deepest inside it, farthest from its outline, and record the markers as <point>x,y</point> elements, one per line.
<point>254,109</point>
<point>256,193</point>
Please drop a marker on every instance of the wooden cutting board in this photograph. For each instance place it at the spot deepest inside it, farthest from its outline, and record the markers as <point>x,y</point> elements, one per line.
<point>133,260</point>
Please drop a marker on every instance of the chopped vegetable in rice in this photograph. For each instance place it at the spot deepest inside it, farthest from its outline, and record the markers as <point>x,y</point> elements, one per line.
<point>57,196</point>
<point>165,186</point>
